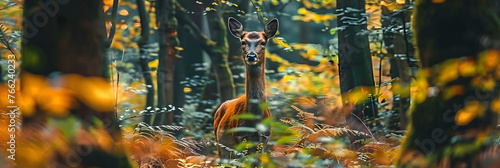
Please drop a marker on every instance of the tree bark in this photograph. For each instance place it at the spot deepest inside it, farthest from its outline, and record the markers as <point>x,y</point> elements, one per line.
<point>397,50</point>
<point>234,51</point>
<point>167,59</point>
<point>217,49</point>
<point>454,114</point>
<point>355,64</point>
<point>69,39</point>
<point>143,59</point>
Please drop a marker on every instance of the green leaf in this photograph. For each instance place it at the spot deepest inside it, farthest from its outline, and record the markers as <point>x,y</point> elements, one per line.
<point>333,31</point>
<point>247,116</point>
<point>243,145</point>
<point>68,125</point>
<point>242,129</point>
<point>263,106</point>
<point>287,140</point>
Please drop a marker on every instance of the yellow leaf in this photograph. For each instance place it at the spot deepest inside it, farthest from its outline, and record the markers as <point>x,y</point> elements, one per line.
<point>95,92</point>
<point>302,11</point>
<point>438,1</point>
<point>453,91</point>
<point>467,68</point>
<point>465,115</point>
<point>275,2</point>
<point>27,107</point>
<point>306,102</point>
<point>281,43</point>
<point>281,68</point>
<point>495,105</point>
<point>358,95</point>
<point>490,59</point>
<point>286,78</point>
<point>448,71</point>
<point>123,12</point>
<point>264,158</point>
<point>153,64</point>
<point>55,102</point>
<point>312,53</point>
<point>187,90</point>
<point>488,84</point>
<point>420,85</point>
<point>117,45</point>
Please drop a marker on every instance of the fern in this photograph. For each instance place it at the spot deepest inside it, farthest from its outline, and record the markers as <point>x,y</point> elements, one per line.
<point>157,145</point>
<point>303,115</point>
<point>302,130</point>
<point>5,39</point>
<point>330,132</point>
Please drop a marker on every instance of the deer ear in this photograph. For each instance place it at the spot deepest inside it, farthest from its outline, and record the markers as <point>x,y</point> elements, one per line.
<point>235,27</point>
<point>271,28</point>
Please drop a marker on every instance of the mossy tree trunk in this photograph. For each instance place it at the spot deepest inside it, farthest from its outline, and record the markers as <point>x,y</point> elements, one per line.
<point>355,64</point>
<point>167,59</point>
<point>61,38</point>
<point>397,50</point>
<point>220,64</point>
<point>144,58</point>
<point>217,49</point>
<point>453,117</point>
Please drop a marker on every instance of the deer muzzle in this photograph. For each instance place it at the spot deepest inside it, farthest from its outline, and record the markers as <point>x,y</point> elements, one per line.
<point>251,58</point>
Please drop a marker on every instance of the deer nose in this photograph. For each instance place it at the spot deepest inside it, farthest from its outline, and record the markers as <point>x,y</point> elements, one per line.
<point>252,57</point>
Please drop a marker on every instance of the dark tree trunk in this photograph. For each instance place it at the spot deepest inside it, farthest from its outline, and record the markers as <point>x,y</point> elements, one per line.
<point>454,113</point>
<point>396,48</point>
<point>167,59</point>
<point>355,64</point>
<point>193,58</point>
<point>69,39</point>
<point>217,49</point>
<point>223,75</point>
<point>144,58</point>
<point>235,57</point>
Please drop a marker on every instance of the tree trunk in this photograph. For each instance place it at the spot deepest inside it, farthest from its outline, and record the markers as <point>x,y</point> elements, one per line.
<point>454,108</point>
<point>219,58</point>
<point>355,64</point>
<point>397,50</point>
<point>167,57</point>
<point>216,49</point>
<point>235,57</point>
<point>144,61</point>
<point>68,37</point>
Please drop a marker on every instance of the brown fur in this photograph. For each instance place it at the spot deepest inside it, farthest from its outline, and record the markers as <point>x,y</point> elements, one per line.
<point>254,90</point>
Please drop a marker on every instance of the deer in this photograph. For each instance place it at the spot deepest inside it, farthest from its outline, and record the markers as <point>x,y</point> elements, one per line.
<point>253,45</point>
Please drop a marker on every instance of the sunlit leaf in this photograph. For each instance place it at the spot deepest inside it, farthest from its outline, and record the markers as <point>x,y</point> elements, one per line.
<point>153,64</point>
<point>242,129</point>
<point>123,12</point>
<point>280,41</point>
<point>243,145</point>
<point>247,116</point>
<point>187,90</point>
<point>471,110</point>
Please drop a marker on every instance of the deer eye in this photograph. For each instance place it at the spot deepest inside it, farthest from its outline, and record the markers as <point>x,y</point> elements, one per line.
<point>243,43</point>
<point>263,43</point>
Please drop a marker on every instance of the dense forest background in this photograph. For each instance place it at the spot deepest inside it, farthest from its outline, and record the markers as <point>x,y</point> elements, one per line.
<point>349,83</point>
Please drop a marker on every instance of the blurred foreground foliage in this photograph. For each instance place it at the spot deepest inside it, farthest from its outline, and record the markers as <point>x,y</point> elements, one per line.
<point>309,127</point>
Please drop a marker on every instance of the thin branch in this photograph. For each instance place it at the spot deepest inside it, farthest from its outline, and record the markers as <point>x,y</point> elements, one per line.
<point>261,20</point>
<point>380,75</point>
<point>6,40</point>
<point>112,27</point>
<point>369,131</point>
<point>206,44</point>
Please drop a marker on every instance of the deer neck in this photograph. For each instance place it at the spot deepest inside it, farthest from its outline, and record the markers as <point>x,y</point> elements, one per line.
<point>255,87</point>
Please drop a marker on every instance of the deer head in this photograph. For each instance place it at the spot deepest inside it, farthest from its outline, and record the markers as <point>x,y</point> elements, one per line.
<point>253,44</point>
